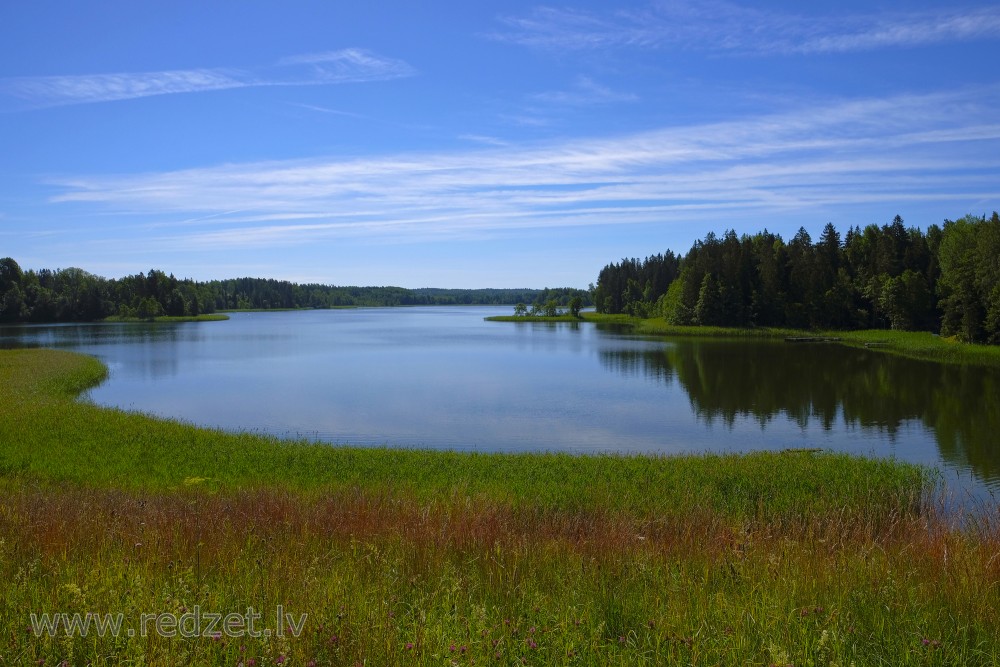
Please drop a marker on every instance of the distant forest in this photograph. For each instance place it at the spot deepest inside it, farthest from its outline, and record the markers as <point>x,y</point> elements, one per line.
<point>945,280</point>
<point>74,295</point>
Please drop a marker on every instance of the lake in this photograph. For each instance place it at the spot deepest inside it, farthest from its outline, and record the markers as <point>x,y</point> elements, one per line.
<point>443,378</point>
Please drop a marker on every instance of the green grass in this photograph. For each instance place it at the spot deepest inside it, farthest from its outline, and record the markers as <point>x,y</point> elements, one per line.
<point>397,556</point>
<point>926,346</point>
<point>533,318</point>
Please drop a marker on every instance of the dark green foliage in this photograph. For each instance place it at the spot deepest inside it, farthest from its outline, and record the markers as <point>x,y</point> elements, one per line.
<point>969,257</point>
<point>634,286</point>
<point>73,295</point>
<point>709,310</point>
<point>888,277</point>
<point>264,294</point>
<point>575,304</point>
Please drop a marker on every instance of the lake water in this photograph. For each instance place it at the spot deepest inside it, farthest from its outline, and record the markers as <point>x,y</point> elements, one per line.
<point>444,378</point>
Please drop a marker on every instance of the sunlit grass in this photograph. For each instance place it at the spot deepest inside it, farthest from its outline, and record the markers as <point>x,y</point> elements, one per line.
<point>418,557</point>
<point>533,318</point>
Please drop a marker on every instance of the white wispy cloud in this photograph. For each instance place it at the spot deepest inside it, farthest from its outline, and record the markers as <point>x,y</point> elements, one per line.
<point>349,65</point>
<point>326,110</point>
<point>585,92</point>
<point>905,31</point>
<point>334,67</point>
<point>940,147</point>
<point>728,27</point>
<point>484,139</point>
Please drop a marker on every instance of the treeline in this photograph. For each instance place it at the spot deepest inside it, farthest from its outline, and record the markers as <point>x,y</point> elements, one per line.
<point>946,279</point>
<point>74,295</point>
<point>260,293</point>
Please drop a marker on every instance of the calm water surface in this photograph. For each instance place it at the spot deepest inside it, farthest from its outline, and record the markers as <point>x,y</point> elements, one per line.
<point>444,378</point>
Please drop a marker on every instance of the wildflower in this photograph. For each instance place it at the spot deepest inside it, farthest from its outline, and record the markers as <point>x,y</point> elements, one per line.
<point>621,639</point>
<point>462,649</point>
<point>280,659</point>
<point>452,648</point>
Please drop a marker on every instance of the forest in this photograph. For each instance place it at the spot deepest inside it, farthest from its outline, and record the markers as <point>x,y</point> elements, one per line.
<point>944,280</point>
<point>74,295</point>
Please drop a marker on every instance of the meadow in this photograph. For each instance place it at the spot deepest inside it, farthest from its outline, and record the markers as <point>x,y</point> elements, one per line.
<point>387,556</point>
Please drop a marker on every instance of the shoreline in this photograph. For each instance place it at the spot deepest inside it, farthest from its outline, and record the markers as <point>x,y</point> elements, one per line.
<point>401,557</point>
<point>920,345</point>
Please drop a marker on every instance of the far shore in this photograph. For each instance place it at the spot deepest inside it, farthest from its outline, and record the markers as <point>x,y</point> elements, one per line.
<point>922,345</point>
<point>207,317</point>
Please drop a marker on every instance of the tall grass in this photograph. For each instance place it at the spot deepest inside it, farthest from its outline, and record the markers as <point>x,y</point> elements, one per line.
<point>415,557</point>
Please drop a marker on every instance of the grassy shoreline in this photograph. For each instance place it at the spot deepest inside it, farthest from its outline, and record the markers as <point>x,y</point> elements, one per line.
<point>416,557</point>
<point>919,345</point>
<point>206,317</point>
<point>534,318</point>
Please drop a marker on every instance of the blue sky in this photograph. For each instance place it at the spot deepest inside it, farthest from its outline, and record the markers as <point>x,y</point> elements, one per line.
<point>478,144</point>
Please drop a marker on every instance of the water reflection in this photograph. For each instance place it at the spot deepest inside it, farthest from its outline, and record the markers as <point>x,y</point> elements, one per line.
<point>442,377</point>
<point>726,381</point>
<point>149,350</point>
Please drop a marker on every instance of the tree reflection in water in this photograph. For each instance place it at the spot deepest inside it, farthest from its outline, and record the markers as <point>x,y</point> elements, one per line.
<point>730,380</point>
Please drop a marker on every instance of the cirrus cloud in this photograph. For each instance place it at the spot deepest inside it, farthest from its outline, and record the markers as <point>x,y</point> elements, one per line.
<point>333,67</point>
